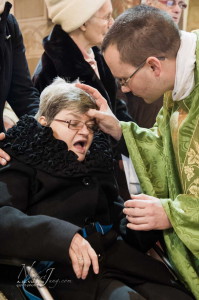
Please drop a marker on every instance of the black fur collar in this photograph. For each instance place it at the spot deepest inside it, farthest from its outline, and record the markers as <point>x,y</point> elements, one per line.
<point>34,145</point>
<point>67,58</point>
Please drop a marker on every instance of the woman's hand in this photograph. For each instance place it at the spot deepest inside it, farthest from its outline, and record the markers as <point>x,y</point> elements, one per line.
<point>4,157</point>
<point>146,213</point>
<point>82,256</point>
<point>106,120</point>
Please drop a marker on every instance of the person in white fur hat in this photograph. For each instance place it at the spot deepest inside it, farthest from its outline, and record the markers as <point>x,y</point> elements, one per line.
<point>70,50</point>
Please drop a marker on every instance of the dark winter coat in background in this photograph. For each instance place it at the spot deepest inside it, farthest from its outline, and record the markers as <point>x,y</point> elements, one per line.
<point>15,83</point>
<point>63,58</point>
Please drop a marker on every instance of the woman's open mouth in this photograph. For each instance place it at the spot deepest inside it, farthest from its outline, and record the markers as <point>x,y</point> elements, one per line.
<point>80,146</point>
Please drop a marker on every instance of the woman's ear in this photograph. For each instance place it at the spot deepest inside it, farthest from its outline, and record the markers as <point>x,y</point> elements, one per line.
<point>42,121</point>
<point>83,27</point>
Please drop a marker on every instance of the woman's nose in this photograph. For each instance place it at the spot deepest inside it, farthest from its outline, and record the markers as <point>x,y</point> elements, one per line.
<point>176,8</point>
<point>84,130</point>
<point>110,22</point>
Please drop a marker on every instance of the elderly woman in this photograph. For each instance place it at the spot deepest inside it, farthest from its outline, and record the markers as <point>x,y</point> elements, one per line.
<point>70,50</point>
<point>59,202</point>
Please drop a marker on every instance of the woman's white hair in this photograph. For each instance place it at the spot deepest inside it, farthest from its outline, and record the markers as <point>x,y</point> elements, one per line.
<point>61,95</point>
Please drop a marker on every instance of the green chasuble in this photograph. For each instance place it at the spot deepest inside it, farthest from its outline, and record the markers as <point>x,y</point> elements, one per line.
<point>166,159</point>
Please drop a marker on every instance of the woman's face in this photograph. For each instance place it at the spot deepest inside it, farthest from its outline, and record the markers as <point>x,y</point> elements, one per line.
<point>77,140</point>
<point>98,25</point>
<point>2,5</point>
<point>173,10</point>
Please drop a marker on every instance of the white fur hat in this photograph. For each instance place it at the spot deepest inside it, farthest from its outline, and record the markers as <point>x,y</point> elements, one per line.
<point>71,14</point>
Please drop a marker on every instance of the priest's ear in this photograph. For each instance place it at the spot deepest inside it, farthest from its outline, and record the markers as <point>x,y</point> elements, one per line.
<point>155,65</point>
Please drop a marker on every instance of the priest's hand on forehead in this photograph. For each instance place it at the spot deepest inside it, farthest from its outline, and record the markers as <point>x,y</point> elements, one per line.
<point>105,118</point>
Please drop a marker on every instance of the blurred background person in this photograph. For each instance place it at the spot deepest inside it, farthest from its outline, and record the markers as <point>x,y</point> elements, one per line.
<point>15,83</point>
<point>173,7</point>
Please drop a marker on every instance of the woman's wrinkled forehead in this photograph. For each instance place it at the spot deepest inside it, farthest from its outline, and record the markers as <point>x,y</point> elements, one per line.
<point>72,114</point>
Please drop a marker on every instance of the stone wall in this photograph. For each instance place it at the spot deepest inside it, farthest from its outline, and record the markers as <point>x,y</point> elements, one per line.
<point>34,24</point>
<point>193,15</point>
<point>121,5</point>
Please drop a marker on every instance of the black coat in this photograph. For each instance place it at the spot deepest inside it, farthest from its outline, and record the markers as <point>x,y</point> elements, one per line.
<point>15,83</point>
<point>47,196</point>
<point>144,114</point>
<point>63,58</point>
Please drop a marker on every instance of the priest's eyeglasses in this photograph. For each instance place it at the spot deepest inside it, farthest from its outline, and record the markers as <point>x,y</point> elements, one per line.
<point>171,3</point>
<point>123,81</point>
